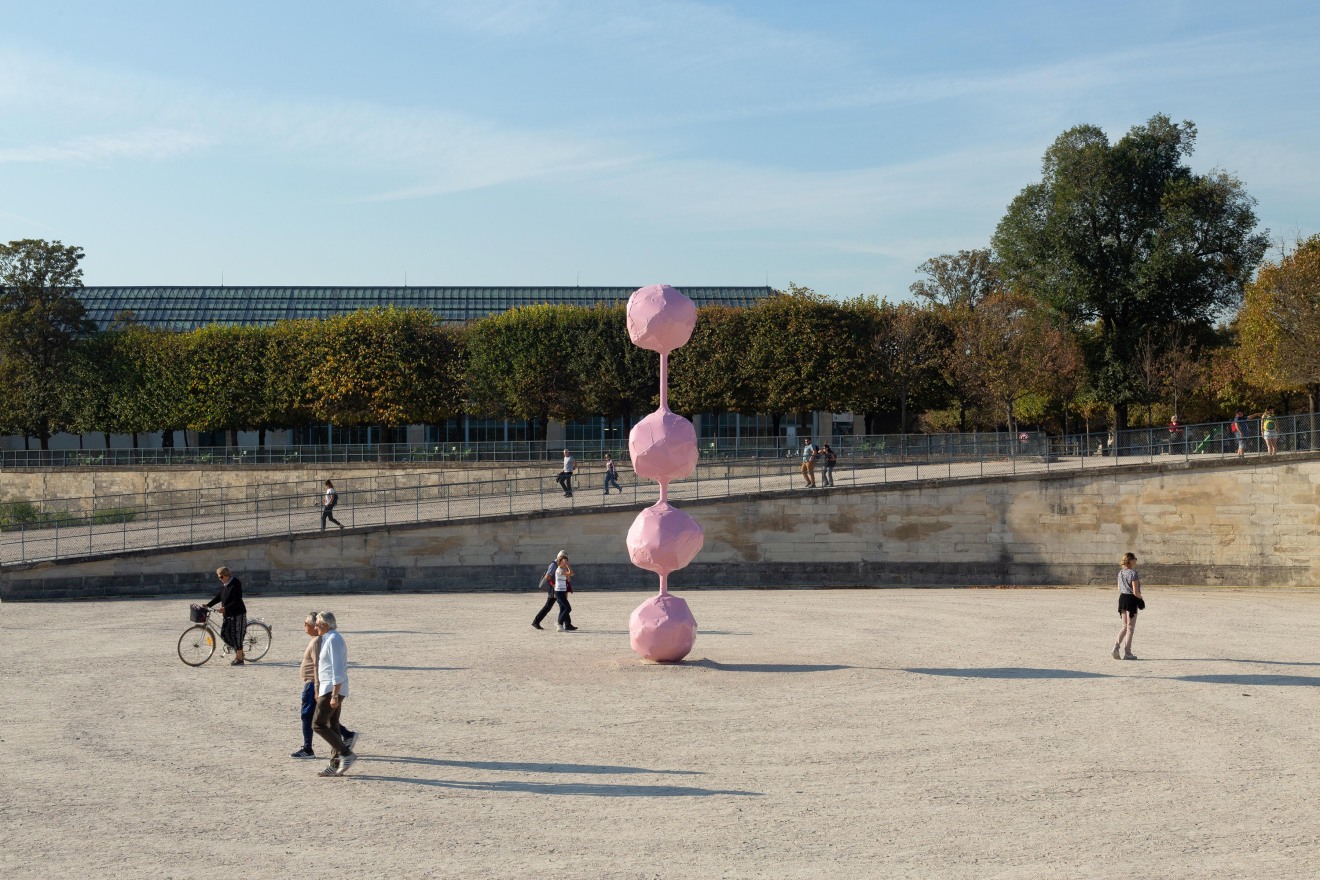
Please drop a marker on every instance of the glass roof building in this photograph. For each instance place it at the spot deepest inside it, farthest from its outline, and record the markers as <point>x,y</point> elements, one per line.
<point>185,308</point>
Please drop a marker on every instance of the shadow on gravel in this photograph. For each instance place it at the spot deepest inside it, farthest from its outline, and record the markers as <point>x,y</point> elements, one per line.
<point>1012,672</point>
<point>763,667</point>
<point>351,665</point>
<point>568,788</point>
<point>1267,680</point>
<point>527,767</point>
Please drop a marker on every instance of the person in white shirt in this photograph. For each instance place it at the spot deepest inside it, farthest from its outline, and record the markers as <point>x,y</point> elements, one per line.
<point>565,478</point>
<point>328,503</point>
<point>332,690</point>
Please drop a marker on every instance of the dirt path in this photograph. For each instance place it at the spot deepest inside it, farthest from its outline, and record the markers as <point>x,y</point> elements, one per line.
<point>891,733</point>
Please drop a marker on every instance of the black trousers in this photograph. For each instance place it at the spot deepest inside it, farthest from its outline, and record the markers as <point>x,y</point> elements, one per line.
<point>328,513</point>
<point>565,481</point>
<point>565,610</point>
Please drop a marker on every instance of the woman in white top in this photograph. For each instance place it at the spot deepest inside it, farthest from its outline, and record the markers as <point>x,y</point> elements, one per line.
<point>1129,603</point>
<point>563,583</point>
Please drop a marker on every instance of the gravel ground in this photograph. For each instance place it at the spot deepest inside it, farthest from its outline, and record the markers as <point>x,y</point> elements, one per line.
<point>886,733</point>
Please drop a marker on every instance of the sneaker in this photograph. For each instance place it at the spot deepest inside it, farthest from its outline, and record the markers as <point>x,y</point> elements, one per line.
<point>350,739</point>
<point>304,752</point>
<point>331,770</point>
<point>1129,656</point>
<point>537,626</point>
<point>561,627</point>
<point>1116,655</point>
<point>570,628</point>
<point>347,761</point>
<point>235,662</point>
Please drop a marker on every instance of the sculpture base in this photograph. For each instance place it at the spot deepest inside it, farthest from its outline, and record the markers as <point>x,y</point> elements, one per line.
<point>662,629</point>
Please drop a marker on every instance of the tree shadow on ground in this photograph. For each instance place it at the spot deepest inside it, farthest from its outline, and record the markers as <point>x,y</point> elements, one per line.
<point>1262,680</point>
<point>392,632</point>
<point>528,766</point>
<point>1237,660</point>
<point>1011,672</point>
<point>291,665</point>
<point>568,788</point>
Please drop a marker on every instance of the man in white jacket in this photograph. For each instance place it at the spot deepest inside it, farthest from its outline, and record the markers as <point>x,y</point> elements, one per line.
<point>332,678</point>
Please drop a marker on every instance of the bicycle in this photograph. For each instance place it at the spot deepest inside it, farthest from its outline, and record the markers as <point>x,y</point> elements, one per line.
<point>198,642</point>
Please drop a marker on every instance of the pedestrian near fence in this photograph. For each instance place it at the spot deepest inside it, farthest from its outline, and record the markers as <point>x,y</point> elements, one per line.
<point>232,610</point>
<point>611,475</point>
<point>809,452</point>
<point>310,661</point>
<point>565,478</point>
<point>828,460</point>
<point>328,502</point>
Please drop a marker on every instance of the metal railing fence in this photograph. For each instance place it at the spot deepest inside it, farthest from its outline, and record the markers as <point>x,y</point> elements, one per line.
<point>59,528</point>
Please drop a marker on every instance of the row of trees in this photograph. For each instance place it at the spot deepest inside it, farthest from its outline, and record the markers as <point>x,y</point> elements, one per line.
<point>1112,284</point>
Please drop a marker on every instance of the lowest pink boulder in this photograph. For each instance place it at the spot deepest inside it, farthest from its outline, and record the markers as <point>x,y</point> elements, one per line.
<point>662,629</point>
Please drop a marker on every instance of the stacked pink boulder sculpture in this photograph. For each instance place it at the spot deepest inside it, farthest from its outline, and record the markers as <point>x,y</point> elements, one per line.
<point>663,446</point>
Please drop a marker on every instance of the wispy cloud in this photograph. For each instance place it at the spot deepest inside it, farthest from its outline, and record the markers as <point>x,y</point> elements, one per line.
<point>147,143</point>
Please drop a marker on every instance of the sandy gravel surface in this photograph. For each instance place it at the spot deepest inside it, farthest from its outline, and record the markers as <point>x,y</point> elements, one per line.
<point>889,733</point>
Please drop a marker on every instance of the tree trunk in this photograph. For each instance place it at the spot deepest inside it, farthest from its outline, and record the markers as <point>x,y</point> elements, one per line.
<point>902,411</point>
<point>261,438</point>
<point>233,437</point>
<point>1120,425</point>
<point>135,439</point>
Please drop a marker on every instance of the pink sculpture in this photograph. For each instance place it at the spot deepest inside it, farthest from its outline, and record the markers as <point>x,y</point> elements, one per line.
<point>663,446</point>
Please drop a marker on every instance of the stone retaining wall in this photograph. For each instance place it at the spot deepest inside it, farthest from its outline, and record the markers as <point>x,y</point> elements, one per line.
<point>1202,523</point>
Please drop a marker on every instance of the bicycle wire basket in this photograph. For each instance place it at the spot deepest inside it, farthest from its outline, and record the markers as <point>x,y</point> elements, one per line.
<point>197,613</point>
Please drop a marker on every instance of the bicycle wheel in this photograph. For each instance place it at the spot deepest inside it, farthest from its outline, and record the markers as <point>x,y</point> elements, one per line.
<point>256,641</point>
<point>196,645</point>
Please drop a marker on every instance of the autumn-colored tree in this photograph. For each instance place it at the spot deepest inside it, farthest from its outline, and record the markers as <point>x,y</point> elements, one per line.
<point>908,345</point>
<point>1007,348</point>
<point>1280,324</point>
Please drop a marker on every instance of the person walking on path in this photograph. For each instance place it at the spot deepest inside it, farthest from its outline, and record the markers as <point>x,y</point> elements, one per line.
<point>828,460</point>
<point>611,475</point>
<point>554,594</point>
<point>1269,430</point>
<point>328,503</point>
<point>809,451</point>
<point>565,478</point>
<point>1129,603</point>
<point>331,691</point>
<point>233,611</point>
<point>311,657</point>
<point>1238,428</point>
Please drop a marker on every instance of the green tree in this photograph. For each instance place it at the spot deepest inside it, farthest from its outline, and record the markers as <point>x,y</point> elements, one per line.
<point>614,378</point>
<point>519,365</point>
<point>958,281</point>
<point>711,373</point>
<point>1127,236</point>
<point>41,320</point>
<point>391,367</point>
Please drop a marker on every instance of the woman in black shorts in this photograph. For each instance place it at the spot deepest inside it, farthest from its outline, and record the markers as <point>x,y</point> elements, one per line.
<point>1129,603</point>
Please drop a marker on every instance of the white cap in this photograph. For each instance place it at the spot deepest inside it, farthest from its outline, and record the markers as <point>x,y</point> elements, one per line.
<point>560,555</point>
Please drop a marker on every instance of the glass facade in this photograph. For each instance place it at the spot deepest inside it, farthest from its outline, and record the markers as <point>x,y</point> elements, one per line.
<point>601,432</point>
<point>185,308</point>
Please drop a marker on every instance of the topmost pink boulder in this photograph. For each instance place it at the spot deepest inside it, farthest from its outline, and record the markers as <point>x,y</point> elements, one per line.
<point>660,318</point>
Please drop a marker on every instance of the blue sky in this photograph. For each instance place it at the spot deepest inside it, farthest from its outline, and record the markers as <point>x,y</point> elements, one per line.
<point>532,142</point>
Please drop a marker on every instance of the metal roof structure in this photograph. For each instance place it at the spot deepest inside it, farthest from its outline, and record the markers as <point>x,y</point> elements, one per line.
<point>185,308</point>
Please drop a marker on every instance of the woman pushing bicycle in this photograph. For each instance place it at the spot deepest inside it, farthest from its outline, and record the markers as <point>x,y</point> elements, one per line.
<point>230,600</point>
